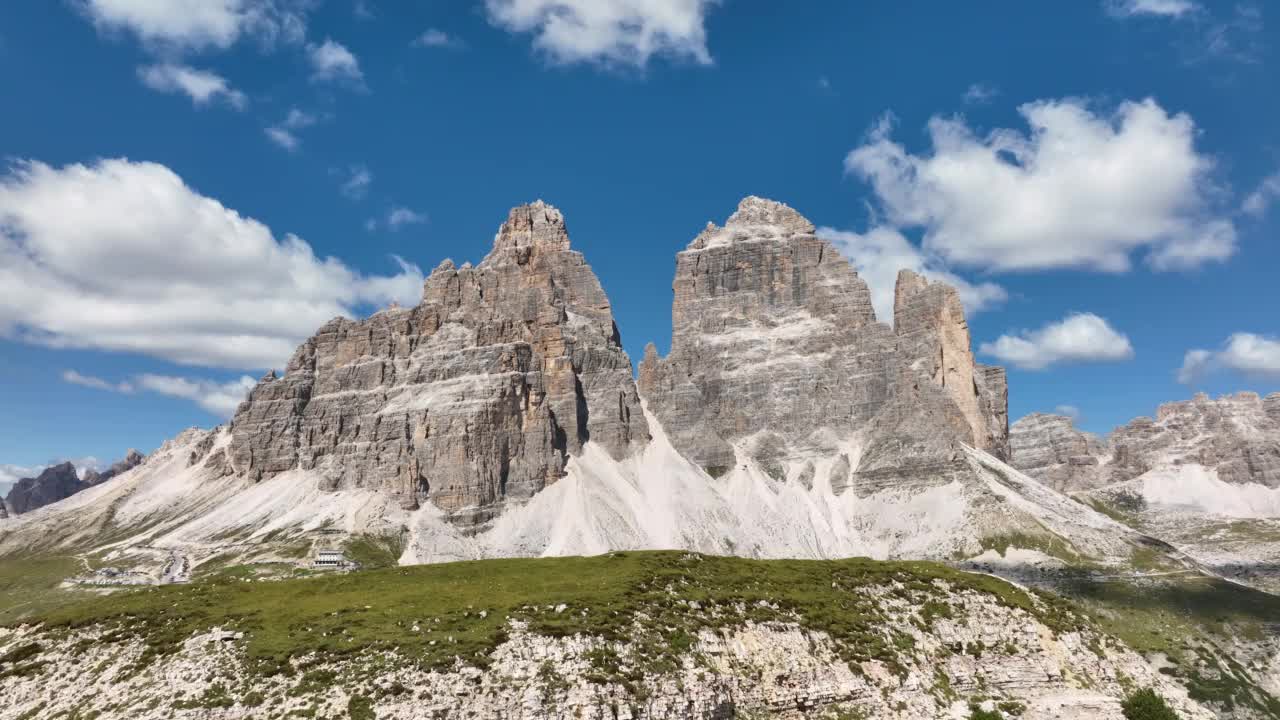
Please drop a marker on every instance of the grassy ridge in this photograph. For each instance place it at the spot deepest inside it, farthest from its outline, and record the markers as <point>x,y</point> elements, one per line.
<point>436,614</point>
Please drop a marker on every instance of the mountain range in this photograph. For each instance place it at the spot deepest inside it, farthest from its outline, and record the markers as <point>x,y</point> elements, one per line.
<point>501,418</point>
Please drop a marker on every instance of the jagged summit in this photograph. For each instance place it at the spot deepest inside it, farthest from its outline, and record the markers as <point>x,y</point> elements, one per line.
<point>756,218</point>
<point>477,396</point>
<point>535,225</point>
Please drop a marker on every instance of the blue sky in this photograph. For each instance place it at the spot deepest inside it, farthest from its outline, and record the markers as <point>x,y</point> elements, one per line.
<point>191,187</point>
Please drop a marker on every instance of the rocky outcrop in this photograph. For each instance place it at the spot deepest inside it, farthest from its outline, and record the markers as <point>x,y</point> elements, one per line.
<point>477,396</point>
<point>1050,449</point>
<point>775,348</point>
<point>1237,436</point>
<point>131,460</point>
<point>933,336</point>
<point>53,484</point>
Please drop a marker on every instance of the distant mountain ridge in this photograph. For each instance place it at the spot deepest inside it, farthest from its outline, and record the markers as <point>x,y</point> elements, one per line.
<point>58,482</point>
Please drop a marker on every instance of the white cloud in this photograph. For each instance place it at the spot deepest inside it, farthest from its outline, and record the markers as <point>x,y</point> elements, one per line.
<point>331,61</point>
<point>1246,353</point>
<point>198,24</point>
<point>436,38</point>
<point>220,399</point>
<point>357,182</point>
<point>298,119</point>
<point>1070,411</point>
<point>202,86</point>
<point>363,10</point>
<point>97,383</point>
<point>284,138</point>
<point>1082,190</point>
<point>613,32</point>
<point>1259,201</point>
<point>979,94</point>
<point>285,133</point>
<point>1162,8</point>
<point>401,216</point>
<point>1079,338</point>
<point>124,256</point>
<point>881,252</point>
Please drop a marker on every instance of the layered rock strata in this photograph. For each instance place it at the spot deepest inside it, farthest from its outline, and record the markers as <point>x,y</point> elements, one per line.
<point>1238,436</point>
<point>1050,449</point>
<point>477,396</point>
<point>775,347</point>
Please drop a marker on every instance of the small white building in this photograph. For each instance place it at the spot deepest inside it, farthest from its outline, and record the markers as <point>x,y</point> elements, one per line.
<point>330,560</point>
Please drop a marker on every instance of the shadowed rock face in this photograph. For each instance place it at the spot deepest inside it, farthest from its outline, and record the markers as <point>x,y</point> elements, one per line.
<point>51,485</point>
<point>775,343</point>
<point>1236,435</point>
<point>476,396</point>
<point>59,482</point>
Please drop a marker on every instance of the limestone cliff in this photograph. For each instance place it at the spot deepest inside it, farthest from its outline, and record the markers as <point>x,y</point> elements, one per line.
<point>477,396</point>
<point>1236,436</point>
<point>775,345</point>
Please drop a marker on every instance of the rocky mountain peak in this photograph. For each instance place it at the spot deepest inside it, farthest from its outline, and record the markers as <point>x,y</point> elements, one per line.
<point>535,225</point>
<point>475,397</point>
<point>775,348</point>
<point>755,219</point>
<point>52,484</point>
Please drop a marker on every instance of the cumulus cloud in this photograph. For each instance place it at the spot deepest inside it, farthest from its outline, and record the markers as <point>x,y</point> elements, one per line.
<point>124,256</point>
<point>881,252</point>
<point>220,399</point>
<point>1245,353</point>
<point>184,25</point>
<point>202,86</point>
<point>436,38</point>
<point>1081,190</point>
<point>1259,201</point>
<point>283,137</point>
<point>612,32</point>
<point>1161,8</point>
<point>333,62</point>
<point>97,383</point>
<point>1079,338</point>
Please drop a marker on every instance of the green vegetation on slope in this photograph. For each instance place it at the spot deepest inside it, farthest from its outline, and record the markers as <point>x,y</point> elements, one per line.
<point>433,614</point>
<point>1188,619</point>
<point>30,585</point>
<point>1147,705</point>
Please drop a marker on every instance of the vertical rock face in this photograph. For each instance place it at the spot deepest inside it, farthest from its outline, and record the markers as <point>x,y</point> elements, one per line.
<point>933,336</point>
<point>54,483</point>
<point>1050,449</point>
<point>772,332</point>
<point>476,396</point>
<point>775,344</point>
